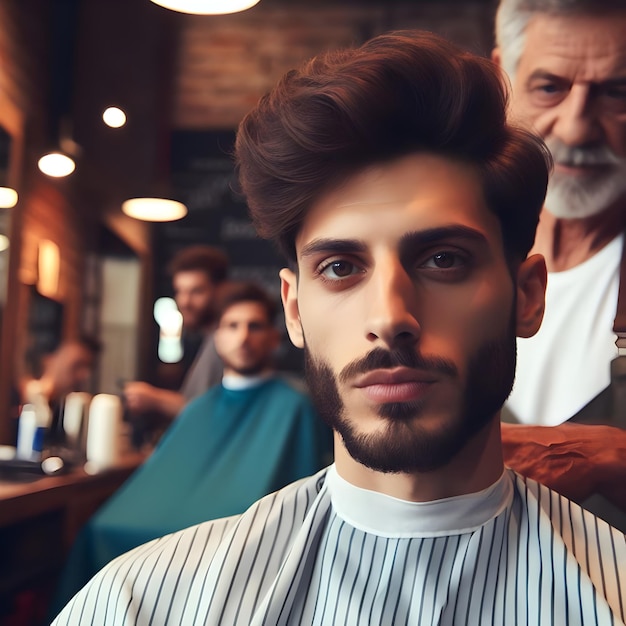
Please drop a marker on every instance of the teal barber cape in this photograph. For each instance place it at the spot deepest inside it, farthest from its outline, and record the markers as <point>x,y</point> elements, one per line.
<point>225,450</point>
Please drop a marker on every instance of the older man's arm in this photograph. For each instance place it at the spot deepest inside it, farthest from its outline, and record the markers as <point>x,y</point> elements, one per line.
<point>576,460</point>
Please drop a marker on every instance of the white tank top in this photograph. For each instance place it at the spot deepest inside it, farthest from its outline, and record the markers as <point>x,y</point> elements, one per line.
<point>567,363</point>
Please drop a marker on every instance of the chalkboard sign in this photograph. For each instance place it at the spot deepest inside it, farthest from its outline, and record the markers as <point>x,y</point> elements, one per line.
<point>203,177</point>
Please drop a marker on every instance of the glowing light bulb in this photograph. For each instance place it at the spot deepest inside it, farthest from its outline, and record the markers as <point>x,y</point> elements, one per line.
<point>8,197</point>
<point>56,164</point>
<point>207,7</point>
<point>154,209</point>
<point>114,117</point>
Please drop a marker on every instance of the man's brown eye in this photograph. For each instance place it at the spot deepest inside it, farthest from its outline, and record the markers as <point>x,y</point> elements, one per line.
<point>443,259</point>
<point>341,268</point>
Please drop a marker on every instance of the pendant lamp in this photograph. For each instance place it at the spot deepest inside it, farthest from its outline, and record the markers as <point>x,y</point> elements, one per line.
<point>154,209</point>
<point>60,161</point>
<point>206,7</point>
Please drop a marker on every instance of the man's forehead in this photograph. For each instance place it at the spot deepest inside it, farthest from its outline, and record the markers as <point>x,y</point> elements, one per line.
<point>590,47</point>
<point>244,310</point>
<point>191,277</point>
<point>415,193</point>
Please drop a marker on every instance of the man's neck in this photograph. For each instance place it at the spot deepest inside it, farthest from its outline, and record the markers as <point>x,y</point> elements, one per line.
<point>475,468</point>
<point>566,243</point>
<point>235,380</point>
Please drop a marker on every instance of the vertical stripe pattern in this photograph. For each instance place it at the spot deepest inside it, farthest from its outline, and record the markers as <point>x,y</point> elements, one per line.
<point>291,560</point>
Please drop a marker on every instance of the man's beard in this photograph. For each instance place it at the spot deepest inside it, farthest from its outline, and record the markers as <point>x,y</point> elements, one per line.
<point>195,321</point>
<point>404,445</point>
<point>571,197</point>
<point>251,369</point>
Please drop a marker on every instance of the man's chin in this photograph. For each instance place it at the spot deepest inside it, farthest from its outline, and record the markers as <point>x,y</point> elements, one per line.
<point>248,369</point>
<point>405,439</point>
<point>190,324</point>
<point>401,411</point>
<point>571,197</point>
<point>400,448</point>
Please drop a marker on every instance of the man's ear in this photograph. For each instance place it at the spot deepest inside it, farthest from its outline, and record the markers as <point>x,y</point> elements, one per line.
<point>532,278</point>
<point>496,56</point>
<point>289,295</point>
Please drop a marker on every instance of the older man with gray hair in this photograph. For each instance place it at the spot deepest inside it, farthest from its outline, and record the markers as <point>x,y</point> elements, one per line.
<point>567,63</point>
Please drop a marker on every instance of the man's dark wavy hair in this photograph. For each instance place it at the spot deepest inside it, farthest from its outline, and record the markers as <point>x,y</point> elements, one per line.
<point>399,93</point>
<point>213,262</point>
<point>235,292</point>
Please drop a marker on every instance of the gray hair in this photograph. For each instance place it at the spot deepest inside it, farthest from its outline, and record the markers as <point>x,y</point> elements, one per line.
<point>513,16</point>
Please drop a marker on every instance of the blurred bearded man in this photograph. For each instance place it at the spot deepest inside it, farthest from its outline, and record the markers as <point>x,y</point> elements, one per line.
<point>196,273</point>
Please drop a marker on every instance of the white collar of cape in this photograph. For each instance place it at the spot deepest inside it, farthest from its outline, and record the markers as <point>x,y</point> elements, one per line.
<point>386,516</point>
<point>237,383</point>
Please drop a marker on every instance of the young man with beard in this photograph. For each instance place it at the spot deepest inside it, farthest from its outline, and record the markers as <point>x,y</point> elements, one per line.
<point>239,441</point>
<point>567,63</point>
<point>197,272</point>
<point>406,205</point>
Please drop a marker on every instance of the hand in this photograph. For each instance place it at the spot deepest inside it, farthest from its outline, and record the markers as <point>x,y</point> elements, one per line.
<point>140,397</point>
<point>576,460</point>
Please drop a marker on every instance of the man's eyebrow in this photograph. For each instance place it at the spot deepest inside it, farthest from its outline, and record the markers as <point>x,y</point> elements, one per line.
<point>540,74</point>
<point>333,246</point>
<point>618,81</point>
<point>408,241</point>
<point>421,238</point>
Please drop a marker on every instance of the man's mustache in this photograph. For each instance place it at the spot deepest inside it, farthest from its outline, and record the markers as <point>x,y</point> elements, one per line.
<point>599,155</point>
<point>379,358</point>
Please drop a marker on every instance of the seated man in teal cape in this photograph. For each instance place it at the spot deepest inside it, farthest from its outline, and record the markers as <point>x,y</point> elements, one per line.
<point>247,437</point>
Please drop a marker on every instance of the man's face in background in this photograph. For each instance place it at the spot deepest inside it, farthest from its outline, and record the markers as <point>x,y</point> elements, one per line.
<point>194,293</point>
<point>245,339</point>
<point>570,88</point>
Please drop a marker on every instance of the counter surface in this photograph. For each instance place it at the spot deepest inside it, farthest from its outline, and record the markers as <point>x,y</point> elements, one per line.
<point>39,520</point>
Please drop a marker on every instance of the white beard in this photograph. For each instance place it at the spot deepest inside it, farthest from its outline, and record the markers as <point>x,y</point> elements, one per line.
<point>571,197</point>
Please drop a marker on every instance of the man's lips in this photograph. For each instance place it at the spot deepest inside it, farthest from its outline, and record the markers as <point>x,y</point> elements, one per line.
<point>395,385</point>
<point>582,170</point>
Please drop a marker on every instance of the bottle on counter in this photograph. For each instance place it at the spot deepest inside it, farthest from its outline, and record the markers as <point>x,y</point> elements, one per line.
<point>29,436</point>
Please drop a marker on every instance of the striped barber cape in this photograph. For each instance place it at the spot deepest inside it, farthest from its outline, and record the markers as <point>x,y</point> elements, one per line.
<point>321,551</point>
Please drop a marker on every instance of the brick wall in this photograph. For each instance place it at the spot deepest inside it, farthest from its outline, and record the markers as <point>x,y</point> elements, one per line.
<point>225,63</point>
<point>70,212</point>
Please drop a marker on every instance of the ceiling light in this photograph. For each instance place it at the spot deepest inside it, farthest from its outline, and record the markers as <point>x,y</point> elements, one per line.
<point>114,117</point>
<point>8,197</point>
<point>207,7</point>
<point>154,209</point>
<point>56,164</point>
<point>61,160</point>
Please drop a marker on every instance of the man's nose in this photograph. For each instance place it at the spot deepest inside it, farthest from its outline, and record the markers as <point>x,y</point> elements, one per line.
<point>392,305</point>
<point>576,122</point>
<point>182,301</point>
<point>243,333</point>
